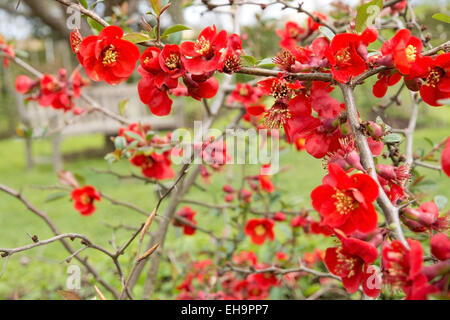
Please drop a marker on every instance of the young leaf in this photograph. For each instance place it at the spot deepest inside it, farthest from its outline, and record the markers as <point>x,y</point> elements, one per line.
<point>120,143</point>
<point>327,32</point>
<point>134,135</point>
<point>392,138</point>
<point>156,6</point>
<point>367,13</point>
<point>266,63</point>
<point>83,3</point>
<point>441,201</point>
<point>136,37</point>
<point>248,61</point>
<point>95,25</point>
<point>173,29</point>
<point>441,17</point>
<point>122,106</point>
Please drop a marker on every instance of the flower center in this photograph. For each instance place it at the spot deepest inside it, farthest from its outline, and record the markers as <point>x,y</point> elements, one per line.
<point>85,199</point>
<point>173,61</point>
<point>344,203</point>
<point>293,33</point>
<point>202,46</point>
<point>280,90</point>
<point>277,116</point>
<point>433,78</point>
<point>411,53</point>
<point>110,56</point>
<point>346,264</point>
<point>243,92</point>
<point>343,56</point>
<point>260,230</point>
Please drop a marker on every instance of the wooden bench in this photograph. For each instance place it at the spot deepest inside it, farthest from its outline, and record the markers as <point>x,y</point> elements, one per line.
<point>46,119</point>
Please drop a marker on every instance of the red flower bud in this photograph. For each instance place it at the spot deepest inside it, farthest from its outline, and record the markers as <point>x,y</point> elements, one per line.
<point>228,189</point>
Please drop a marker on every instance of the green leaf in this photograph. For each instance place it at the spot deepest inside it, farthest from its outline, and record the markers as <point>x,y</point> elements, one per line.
<point>367,13</point>
<point>173,29</point>
<point>120,143</point>
<point>248,61</point>
<point>94,24</point>
<point>56,196</point>
<point>441,201</point>
<point>83,3</point>
<point>441,17</point>
<point>393,138</point>
<point>156,6</point>
<point>327,32</point>
<point>122,106</point>
<point>136,37</point>
<point>266,63</point>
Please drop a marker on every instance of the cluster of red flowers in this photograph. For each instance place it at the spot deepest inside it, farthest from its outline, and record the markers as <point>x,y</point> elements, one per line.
<point>110,58</point>
<point>154,163</point>
<point>194,62</point>
<point>58,92</point>
<point>251,287</point>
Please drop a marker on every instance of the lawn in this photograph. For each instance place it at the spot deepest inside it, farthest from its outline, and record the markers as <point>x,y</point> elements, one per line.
<point>39,273</point>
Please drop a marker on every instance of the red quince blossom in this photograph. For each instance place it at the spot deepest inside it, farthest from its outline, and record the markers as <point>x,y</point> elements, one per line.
<point>259,230</point>
<point>136,128</point>
<point>347,54</point>
<point>404,52</point>
<point>230,61</point>
<point>245,94</point>
<point>84,198</point>
<point>75,41</point>
<point>279,216</point>
<point>24,84</point>
<point>107,57</point>
<point>265,179</point>
<point>445,158</point>
<point>425,217</point>
<point>437,81</point>
<point>157,99</point>
<point>402,269</point>
<point>290,35</point>
<point>199,90</point>
<point>313,25</point>
<point>280,255</point>
<point>346,202</point>
<point>205,52</point>
<point>155,165</point>
<point>440,246</point>
<point>350,262</point>
<point>188,214</point>
<point>386,79</point>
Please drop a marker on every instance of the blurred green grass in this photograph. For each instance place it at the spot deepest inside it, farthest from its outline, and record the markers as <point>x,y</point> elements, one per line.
<point>38,273</point>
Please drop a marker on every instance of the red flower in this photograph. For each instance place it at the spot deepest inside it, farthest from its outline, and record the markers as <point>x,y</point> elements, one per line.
<point>188,214</point>
<point>312,24</point>
<point>440,246</point>
<point>445,158</point>
<point>260,229</point>
<point>24,84</point>
<point>205,52</point>
<point>347,53</point>
<point>245,258</point>
<point>280,255</point>
<point>264,179</point>
<point>437,81</point>
<point>157,166</point>
<point>346,202</point>
<point>290,34</point>
<point>245,94</point>
<point>230,61</point>
<point>424,218</point>
<point>107,57</point>
<point>157,99</point>
<point>84,198</point>
<point>75,41</point>
<point>203,89</point>
<point>298,221</point>
<point>350,262</point>
<point>385,79</point>
<point>279,216</point>
<point>402,269</point>
<point>404,52</point>
<point>7,50</point>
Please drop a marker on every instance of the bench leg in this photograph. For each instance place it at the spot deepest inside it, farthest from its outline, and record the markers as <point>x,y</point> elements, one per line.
<point>56,154</point>
<point>29,154</point>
